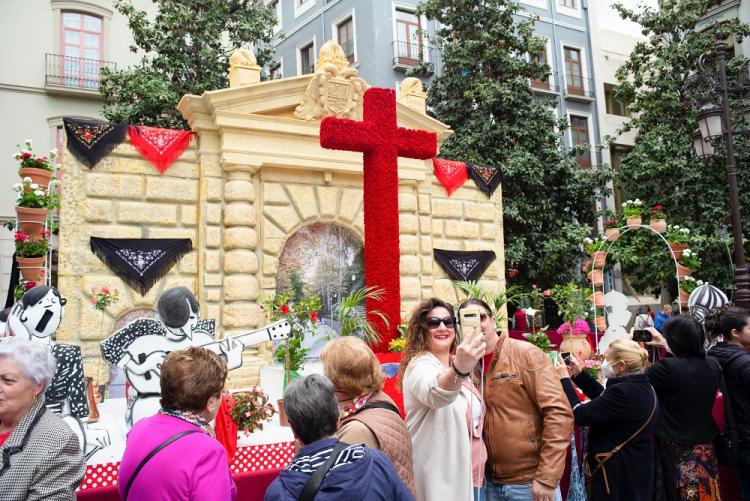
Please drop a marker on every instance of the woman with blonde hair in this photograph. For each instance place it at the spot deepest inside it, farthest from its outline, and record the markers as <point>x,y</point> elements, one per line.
<point>443,407</point>
<point>368,416</point>
<point>620,448</point>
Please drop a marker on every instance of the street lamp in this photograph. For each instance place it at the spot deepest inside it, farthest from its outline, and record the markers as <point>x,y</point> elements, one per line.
<point>715,127</point>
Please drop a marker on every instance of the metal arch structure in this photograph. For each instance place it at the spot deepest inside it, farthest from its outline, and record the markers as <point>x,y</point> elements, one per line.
<point>623,230</point>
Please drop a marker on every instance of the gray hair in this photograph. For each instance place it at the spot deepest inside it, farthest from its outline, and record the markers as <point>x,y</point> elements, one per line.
<point>311,408</point>
<point>35,360</point>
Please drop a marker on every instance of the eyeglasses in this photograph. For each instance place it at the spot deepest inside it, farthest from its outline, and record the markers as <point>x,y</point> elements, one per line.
<point>434,322</point>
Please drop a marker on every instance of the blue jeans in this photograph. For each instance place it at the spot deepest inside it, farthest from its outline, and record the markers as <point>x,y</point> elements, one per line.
<point>743,473</point>
<point>479,494</point>
<point>513,492</point>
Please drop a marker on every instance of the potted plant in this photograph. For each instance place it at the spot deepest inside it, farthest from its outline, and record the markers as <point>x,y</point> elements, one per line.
<point>595,249</point>
<point>688,263</point>
<point>38,168</point>
<point>612,228</point>
<point>595,276</point>
<point>31,255</point>
<point>678,238</point>
<point>593,365</point>
<point>687,286</point>
<point>573,306</point>
<point>353,318</point>
<point>633,210</point>
<point>32,206</point>
<point>657,219</point>
<point>22,288</point>
<point>600,321</point>
<point>250,409</point>
<point>541,341</point>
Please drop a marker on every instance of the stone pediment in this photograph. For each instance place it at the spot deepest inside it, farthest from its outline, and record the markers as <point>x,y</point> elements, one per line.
<point>277,122</point>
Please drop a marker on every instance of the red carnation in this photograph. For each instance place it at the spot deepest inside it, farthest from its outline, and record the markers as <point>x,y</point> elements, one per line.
<point>284,309</point>
<point>29,285</point>
<point>314,316</point>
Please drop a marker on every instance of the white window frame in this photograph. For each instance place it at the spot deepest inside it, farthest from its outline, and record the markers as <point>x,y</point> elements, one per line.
<point>301,9</point>
<point>422,23</point>
<point>91,9</point>
<point>279,14</point>
<point>301,46</point>
<point>335,31</point>
<point>589,127</point>
<point>567,11</point>
<point>280,70</point>
<point>541,4</point>
<point>584,67</point>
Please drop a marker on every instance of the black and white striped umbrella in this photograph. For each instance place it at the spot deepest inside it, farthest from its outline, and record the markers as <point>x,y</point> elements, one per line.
<point>704,299</point>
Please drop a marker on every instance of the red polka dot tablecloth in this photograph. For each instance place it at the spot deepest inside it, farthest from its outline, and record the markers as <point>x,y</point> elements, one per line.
<point>252,458</point>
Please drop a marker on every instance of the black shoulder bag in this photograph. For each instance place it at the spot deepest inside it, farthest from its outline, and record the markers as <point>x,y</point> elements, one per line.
<point>727,442</point>
<point>316,479</point>
<point>152,454</point>
<point>381,405</point>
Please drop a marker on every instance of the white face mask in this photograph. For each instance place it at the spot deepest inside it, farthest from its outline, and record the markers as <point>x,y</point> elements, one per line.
<point>607,370</point>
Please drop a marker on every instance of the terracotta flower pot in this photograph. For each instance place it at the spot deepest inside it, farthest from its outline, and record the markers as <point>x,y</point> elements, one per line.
<point>91,398</point>
<point>684,296</point>
<point>39,176</point>
<point>596,277</point>
<point>659,225</point>
<point>598,299</point>
<point>612,234</point>
<point>31,221</point>
<point>32,268</point>
<point>599,259</point>
<point>577,344</point>
<point>677,249</point>
<point>683,271</point>
<point>601,324</point>
<point>633,222</point>
<point>283,421</point>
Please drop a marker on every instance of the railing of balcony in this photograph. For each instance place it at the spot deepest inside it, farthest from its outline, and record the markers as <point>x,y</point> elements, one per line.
<point>410,54</point>
<point>575,85</point>
<point>75,72</point>
<point>548,84</point>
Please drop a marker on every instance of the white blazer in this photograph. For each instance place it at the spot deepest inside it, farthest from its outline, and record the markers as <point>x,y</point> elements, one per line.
<point>436,420</point>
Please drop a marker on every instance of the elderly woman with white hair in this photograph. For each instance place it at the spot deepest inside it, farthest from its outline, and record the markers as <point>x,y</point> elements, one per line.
<point>40,457</point>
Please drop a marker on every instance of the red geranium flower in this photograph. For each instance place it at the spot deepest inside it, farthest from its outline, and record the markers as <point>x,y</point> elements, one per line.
<point>29,285</point>
<point>21,236</point>
<point>284,309</point>
<point>314,316</point>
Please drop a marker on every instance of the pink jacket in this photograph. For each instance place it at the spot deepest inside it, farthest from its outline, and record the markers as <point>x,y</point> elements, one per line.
<point>193,467</point>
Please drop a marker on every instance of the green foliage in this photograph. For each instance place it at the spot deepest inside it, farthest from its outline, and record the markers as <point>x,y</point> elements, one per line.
<point>659,79</point>
<point>302,315</point>
<point>187,47</point>
<point>573,302</point>
<point>353,317</point>
<point>484,94</point>
<point>497,300</point>
<point>540,340</point>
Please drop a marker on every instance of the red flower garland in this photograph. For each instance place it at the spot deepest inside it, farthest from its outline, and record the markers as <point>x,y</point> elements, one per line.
<point>382,141</point>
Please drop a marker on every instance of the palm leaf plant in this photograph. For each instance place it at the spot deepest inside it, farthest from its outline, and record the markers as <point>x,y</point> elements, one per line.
<point>354,319</point>
<point>497,300</point>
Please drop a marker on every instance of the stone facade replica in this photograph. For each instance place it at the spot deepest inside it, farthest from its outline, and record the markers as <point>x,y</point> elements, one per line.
<point>253,176</point>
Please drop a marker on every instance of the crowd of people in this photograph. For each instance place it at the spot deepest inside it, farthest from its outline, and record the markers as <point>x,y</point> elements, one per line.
<point>488,417</point>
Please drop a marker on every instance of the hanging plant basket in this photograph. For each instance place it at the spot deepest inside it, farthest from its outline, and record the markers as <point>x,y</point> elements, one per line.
<point>633,222</point>
<point>41,177</point>
<point>677,249</point>
<point>596,277</point>
<point>598,299</point>
<point>683,271</point>
<point>684,296</point>
<point>612,234</point>
<point>659,225</point>
<point>599,259</point>
<point>32,268</point>
<point>31,221</point>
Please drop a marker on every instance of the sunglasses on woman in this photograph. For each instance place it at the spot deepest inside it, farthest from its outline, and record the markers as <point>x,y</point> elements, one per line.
<point>434,322</point>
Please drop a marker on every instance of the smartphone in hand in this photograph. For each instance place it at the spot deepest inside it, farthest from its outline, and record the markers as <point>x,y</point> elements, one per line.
<point>469,317</point>
<point>642,336</point>
<point>565,355</point>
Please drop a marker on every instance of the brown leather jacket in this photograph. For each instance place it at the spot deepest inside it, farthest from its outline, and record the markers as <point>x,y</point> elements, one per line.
<point>529,421</point>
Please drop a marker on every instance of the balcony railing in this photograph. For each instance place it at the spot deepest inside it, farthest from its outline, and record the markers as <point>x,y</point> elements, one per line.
<point>75,72</point>
<point>409,55</point>
<point>577,87</point>
<point>546,85</point>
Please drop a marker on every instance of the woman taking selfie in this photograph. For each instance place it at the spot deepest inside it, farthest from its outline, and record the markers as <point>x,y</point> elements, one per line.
<point>620,449</point>
<point>444,411</point>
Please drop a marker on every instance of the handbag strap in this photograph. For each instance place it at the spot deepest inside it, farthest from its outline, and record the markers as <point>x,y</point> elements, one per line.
<point>603,457</point>
<point>729,423</point>
<point>312,486</point>
<point>381,405</point>
<point>152,454</point>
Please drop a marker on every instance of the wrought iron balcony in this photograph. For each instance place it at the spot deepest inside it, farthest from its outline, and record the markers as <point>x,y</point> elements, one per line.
<point>547,85</point>
<point>75,72</point>
<point>409,55</point>
<point>579,88</point>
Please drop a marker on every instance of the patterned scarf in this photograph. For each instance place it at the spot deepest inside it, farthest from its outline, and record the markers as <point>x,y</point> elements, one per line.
<point>354,406</point>
<point>486,177</point>
<point>190,417</point>
<point>464,265</point>
<point>451,174</point>
<point>90,140</point>
<point>161,147</point>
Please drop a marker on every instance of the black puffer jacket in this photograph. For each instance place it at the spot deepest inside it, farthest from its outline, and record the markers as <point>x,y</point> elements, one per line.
<point>735,362</point>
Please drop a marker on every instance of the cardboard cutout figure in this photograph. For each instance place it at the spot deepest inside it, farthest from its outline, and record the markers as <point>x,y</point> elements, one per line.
<point>618,316</point>
<point>139,348</point>
<point>37,317</point>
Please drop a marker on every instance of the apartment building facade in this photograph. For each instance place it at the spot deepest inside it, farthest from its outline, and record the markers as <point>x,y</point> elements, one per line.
<point>55,50</point>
